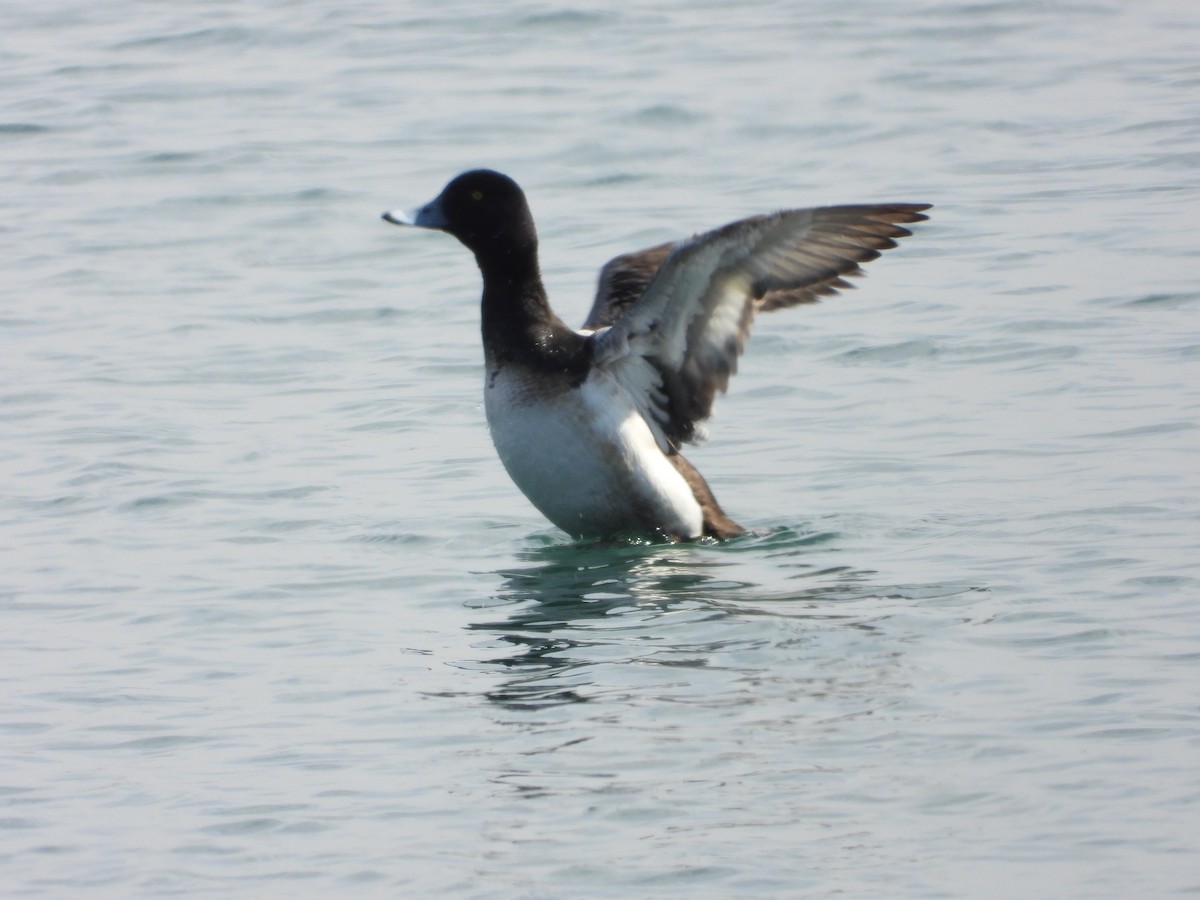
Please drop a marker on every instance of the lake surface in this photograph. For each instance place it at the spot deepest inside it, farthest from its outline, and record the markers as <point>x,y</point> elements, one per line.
<point>273,620</point>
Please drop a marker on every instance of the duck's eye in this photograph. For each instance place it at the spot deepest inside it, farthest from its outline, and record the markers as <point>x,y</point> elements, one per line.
<point>476,195</point>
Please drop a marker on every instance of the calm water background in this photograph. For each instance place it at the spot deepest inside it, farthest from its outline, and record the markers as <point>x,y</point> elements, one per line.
<point>273,620</point>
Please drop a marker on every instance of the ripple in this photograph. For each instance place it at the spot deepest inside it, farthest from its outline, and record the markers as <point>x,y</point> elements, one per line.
<point>22,128</point>
<point>1142,431</point>
<point>902,352</point>
<point>1165,301</point>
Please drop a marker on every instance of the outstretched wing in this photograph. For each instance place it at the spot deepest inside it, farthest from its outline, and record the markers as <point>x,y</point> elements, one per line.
<point>677,343</point>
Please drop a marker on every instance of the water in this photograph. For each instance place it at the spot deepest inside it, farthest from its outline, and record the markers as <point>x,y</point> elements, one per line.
<point>274,621</point>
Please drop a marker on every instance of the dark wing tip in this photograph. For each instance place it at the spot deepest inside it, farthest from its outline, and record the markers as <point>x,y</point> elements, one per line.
<point>840,241</point>
<point>904,212</point>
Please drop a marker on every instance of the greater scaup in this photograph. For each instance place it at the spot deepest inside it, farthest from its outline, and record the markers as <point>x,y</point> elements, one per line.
<point>589,422</point>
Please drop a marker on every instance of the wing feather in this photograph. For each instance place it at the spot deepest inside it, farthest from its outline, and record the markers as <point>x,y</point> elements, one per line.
<point>622,281</point>
<point>677,316</point>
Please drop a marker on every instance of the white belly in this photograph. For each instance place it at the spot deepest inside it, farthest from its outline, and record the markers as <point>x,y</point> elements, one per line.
<point>586,458</point>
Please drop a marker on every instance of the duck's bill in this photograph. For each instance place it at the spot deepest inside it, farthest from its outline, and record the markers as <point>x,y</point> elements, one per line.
<point>401,216</point>
<point>428,216</point>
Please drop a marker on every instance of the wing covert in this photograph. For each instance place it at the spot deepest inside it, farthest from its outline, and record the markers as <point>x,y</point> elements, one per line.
<point>622,281</point>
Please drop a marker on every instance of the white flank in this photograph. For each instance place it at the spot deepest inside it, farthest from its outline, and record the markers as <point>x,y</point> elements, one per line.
<point>586,458</point>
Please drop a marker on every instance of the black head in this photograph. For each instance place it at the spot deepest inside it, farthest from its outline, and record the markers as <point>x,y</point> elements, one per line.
<point>484,209</point>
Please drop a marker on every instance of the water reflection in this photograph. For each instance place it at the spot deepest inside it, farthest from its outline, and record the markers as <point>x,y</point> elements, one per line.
<point>572,608</point>
<point>558,607</point>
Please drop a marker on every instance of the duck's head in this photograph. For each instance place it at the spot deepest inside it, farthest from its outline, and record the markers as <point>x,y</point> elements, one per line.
<point>485,210</point>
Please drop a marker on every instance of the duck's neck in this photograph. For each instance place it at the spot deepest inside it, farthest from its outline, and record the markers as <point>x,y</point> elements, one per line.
<point>514,300</point>
<point>518,324</point>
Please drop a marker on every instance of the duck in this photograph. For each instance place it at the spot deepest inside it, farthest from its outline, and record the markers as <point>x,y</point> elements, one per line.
<point>589,422</point>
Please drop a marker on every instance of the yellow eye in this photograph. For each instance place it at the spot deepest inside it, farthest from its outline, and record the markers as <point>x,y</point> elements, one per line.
<point>476,195</point>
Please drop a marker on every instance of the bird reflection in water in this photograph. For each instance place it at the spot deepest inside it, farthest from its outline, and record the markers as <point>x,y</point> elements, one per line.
<point>576,607</point>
